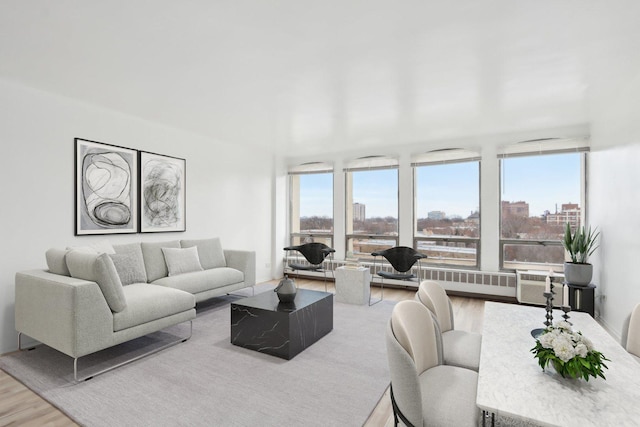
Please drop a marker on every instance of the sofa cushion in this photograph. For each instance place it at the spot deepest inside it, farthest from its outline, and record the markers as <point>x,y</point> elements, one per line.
<point>201,281</point>
<point>209,251</point>
<point>130,267</point>
<point>180,261</point>
<point>99,269</point>
<point>57,261</point>
<point>127,247</point>
<point>154,258</point>
<point>146,303</point>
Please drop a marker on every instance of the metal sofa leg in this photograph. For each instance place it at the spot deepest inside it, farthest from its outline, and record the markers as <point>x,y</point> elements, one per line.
<point>170,344</point>
<point>381,293</point>
<point>20,343</point>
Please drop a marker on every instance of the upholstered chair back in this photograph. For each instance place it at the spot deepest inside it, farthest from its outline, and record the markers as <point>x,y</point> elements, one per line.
<point>633,333</point>
<point>415,331</point>
<point>435,298</point>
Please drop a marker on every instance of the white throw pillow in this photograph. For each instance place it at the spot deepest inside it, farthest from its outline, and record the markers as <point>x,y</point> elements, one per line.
<point>130,266</point>
<point>181,261</point>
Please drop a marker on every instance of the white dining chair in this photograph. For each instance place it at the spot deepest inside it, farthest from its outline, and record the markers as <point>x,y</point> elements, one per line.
<point>633,333</point>
<point>460,348</point>
<point>425,392</point>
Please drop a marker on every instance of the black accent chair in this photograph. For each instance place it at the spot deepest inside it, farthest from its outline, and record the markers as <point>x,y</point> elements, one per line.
<point>315,254</point>
<point>402,259</point>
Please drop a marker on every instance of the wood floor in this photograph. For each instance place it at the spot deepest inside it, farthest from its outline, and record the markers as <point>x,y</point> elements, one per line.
<point>19,406</point>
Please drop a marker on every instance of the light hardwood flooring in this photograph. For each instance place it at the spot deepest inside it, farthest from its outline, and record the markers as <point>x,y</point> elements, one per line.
<point>19,406</point>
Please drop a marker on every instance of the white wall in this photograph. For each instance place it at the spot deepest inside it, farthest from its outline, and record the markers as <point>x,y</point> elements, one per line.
<point>613,208</point>
<point>229,189</point>
<point>614,202</point>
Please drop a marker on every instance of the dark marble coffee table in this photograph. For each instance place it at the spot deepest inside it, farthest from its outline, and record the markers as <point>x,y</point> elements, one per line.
<point>262,323</point>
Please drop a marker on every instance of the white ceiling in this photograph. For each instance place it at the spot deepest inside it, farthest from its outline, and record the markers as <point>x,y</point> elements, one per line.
<point>305,77</point>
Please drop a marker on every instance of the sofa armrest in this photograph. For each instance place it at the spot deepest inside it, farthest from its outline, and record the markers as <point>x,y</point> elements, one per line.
<point>244,261</point>
<point>70,315</point>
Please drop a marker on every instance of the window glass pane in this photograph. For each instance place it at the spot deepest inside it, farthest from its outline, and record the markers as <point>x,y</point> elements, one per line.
<point>362,247</point>
<point>312,203</point>
<point>448,200</point>
<point>539,195</point>
<point>535,256</point>
<point>300,240</point>
<point>373,203</point>
<point>462,254</point>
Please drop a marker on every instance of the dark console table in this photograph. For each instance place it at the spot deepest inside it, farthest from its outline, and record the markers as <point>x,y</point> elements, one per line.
<point>581,298</point>
<point>262,323</point>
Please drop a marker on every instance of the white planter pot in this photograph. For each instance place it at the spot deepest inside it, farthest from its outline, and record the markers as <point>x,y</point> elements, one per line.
<point>578,274</point>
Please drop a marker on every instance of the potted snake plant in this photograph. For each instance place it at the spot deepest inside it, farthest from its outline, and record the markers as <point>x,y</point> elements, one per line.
<point>579,245</point>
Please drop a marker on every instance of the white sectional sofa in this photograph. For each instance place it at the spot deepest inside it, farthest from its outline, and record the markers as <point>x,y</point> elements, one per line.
<point>88,301</point>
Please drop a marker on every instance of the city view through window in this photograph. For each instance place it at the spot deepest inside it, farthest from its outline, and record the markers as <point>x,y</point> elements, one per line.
<point>538,195</point>
<point>372,222</point>
<point>312,208</point>
<point>448,212</point>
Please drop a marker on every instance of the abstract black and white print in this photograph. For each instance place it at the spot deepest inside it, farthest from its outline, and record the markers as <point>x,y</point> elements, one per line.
<point>162,193</point>
<point>106,188</point>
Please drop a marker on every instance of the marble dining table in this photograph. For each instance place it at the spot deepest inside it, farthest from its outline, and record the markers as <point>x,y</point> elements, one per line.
<point>511,383</point>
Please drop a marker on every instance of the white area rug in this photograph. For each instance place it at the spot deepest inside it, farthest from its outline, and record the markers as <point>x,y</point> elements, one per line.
<point>208,381</point>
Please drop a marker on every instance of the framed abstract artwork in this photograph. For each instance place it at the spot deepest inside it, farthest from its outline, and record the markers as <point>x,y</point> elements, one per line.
<point>106,188</point>
<point>162,193</point>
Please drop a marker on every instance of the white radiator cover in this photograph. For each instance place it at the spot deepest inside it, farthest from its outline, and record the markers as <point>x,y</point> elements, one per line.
<point>530,287</point>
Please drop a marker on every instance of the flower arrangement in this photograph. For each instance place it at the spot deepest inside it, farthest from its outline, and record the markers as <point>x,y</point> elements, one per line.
<point>571,354</point>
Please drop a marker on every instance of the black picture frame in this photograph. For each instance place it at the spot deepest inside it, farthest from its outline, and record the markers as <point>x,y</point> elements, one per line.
<point>106,188</point>
<point>163,188</point>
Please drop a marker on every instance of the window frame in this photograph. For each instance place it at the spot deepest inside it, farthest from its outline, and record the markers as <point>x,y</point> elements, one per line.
<point>448,239</point>
<point>349,195</point>
<point>558,268</point>
<point>295,173</point>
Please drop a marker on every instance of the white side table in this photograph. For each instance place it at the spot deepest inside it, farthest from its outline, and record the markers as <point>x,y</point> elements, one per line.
<point>353,285</point>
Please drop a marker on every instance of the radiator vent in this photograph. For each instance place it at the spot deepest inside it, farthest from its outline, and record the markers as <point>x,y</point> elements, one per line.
<point>466,277</point>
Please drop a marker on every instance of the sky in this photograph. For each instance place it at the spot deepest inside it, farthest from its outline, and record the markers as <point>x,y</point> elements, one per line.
<point>542,181</point>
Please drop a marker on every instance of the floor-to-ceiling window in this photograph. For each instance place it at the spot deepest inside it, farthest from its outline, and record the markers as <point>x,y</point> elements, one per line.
<point>541,190</point>
<point>447,207</point>
<point>371,205</point>
<point>311,203</point>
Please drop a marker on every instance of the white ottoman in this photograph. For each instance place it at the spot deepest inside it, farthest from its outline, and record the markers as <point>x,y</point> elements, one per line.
<point>353,285</point>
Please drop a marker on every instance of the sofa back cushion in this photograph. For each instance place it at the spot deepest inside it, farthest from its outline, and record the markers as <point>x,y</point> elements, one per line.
<point>57,261</point>
<point>154,262</point>
<point>98,268</point>
<point>210,252</point>
<point>129,264</point>
<point>180,261</point>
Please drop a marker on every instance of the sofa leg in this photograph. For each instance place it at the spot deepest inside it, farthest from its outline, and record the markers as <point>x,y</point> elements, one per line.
<point>170,344</point>
<point>20,343</point>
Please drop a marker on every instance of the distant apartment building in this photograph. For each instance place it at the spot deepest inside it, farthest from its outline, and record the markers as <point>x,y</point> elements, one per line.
<point>519,208</point>
<point>570,213</point>
<point>436,215</point>
<point>359,212</point>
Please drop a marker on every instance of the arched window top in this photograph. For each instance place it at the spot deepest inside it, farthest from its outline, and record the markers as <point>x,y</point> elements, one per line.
<point>311,167</point>
<point>444,156</point>
<point>371,162</point>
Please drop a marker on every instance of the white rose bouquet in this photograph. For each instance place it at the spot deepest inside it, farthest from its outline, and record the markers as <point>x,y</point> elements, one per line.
<point>571,354</point>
